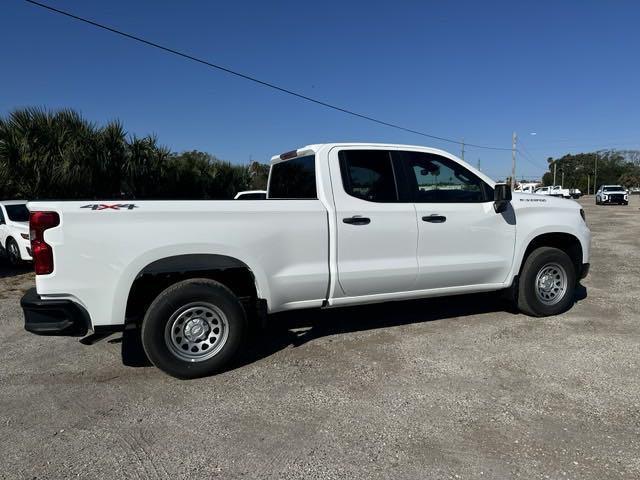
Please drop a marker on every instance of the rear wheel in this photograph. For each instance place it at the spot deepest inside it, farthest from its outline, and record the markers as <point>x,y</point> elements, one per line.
<point>193,328</point>
<point>547,283</point>
<point>13,252</point>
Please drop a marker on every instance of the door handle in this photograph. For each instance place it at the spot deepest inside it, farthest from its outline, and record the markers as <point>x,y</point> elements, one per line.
<point>433,218</point>
<point>357,220</point>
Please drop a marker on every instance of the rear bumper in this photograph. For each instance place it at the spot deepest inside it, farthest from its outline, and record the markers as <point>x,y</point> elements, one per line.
<point>54,316</point>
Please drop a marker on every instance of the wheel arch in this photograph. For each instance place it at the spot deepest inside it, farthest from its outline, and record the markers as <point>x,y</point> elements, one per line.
<point>565,241</point>
<point>159,274</point>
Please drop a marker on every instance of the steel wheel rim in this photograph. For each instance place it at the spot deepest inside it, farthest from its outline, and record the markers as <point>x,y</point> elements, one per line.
<point>196,332</point>
<point>551,284</point>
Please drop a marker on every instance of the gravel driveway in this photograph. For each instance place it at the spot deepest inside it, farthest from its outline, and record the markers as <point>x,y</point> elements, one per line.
<point>449,388</point>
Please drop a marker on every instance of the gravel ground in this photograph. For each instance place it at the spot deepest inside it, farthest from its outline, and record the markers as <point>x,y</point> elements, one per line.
<point>449,388</point>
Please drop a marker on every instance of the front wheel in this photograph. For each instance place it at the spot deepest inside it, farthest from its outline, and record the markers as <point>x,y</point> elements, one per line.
<point>13,252</point>
<point>547,283</point>
<point>193,328</point>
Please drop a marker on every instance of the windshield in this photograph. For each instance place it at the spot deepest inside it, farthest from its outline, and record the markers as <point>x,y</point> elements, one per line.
<point>17,213</point>
<point>613,188</point>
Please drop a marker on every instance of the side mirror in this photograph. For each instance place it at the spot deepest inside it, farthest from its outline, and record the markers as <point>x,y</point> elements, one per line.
<point>501,197</point>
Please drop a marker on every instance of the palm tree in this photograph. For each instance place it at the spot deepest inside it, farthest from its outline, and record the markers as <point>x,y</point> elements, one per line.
<point>59,154</point>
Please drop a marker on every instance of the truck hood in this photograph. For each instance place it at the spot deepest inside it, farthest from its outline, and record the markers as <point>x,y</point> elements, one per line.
<point>615,192</point>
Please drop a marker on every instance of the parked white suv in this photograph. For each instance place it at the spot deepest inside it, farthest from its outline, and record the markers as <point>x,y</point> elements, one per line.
<point>14,231</point>
<point>343,224</point>
<point>608,194</point>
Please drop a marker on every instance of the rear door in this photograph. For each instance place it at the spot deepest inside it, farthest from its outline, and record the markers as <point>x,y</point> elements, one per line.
<point>461,240</point>
<point>376,232</point>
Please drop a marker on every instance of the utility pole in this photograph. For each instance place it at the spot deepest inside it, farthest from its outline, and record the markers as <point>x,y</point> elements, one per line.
<point>463,149</point>
<point>588,184</point>
<point>562,183</point>
<point>514,139</point>
<point>478,164</point>
<point>595,175</point>
<point>555,164</point>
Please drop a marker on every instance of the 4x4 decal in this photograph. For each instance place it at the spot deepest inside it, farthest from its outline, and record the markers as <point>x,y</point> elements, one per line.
<point>114,206</point>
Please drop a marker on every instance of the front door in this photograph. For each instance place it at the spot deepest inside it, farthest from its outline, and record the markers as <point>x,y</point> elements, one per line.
<point>376,233</point>
<point>461,240</point>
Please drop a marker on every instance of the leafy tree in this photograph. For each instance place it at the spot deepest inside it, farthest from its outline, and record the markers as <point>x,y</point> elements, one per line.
<point>259,174</point>
<point>579,169</point>
<point>630,179</point>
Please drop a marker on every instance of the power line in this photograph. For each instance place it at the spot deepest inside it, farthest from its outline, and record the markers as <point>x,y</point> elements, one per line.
<point>524,151</point>
<point>252,79</point>
<point>535,164</point>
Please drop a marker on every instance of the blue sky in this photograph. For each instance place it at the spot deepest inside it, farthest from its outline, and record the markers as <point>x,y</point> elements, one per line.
<point>566,70</point>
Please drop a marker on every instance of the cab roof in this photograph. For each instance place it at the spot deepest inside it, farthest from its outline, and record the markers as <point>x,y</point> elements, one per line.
<point>314,148</point>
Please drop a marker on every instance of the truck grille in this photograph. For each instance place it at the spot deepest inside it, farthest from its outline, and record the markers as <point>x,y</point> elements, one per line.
<point>616,197</point>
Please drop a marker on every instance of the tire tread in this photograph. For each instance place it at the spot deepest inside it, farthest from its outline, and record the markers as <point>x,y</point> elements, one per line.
<point>156,350</point>
<point>527,302</point>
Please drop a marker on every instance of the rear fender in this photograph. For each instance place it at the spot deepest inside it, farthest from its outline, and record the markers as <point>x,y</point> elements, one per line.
<point>189,259</point>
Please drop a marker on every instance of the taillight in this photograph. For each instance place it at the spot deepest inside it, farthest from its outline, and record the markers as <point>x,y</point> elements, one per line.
<point>41,251</point>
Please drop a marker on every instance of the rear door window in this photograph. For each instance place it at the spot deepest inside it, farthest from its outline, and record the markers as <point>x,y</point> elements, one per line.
<point>293,179</point>
<point>368,175</point>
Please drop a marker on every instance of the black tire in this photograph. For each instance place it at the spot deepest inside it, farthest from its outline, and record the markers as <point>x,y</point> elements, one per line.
<point>180,303</point>
<point>543,258</point>
<point>13,252</point>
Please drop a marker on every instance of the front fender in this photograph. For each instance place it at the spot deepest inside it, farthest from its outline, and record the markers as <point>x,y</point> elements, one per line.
<point>534,222</point>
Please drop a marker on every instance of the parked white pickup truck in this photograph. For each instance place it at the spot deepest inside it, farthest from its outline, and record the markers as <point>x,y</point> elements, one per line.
<point>343,224</point>
<point>553,191</point>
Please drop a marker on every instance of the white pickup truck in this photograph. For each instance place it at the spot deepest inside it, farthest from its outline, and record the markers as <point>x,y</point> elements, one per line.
<point>553,191</point>
<point>343,224</point>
